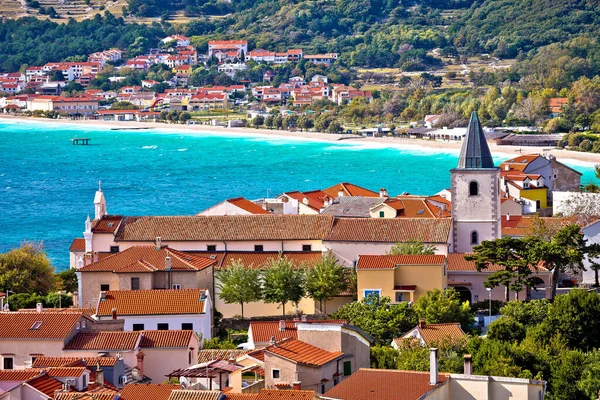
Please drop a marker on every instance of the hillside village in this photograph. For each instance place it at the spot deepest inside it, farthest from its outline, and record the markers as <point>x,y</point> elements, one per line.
<point>152,291</point>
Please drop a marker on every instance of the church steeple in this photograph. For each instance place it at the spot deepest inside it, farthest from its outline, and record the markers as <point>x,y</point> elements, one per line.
<point>99,203</point>
<point>475,153</point>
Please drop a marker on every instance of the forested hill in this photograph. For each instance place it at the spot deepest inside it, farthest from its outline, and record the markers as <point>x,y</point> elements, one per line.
<point>505,27</point>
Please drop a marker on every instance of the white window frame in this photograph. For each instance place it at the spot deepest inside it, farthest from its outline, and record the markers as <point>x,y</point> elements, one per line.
<point>273,373</point>
<point>176,286</point>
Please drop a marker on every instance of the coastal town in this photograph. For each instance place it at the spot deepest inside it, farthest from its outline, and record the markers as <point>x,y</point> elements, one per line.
<point>158,299</point>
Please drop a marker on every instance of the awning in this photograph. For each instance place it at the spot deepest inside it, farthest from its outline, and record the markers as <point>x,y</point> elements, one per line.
<point>457,283</point>
<point>405,288</point>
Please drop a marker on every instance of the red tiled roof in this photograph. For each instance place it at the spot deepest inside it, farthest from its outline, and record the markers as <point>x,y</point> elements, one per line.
<point>45,384</point>
<point>64,372</point>
<point>269,394</point>
<point>148,259</point>
<point>18,374</point>
<point>434,333</point>
<point>153,302</point>
<point>262,331</point>
<point>45,362</point>
<point>225,227</point>
<point>380,384</point>
<point>53,325</point>
<point>218,354</point>
<point>247,205</point>
<point>303,353</point>
<point>390,261</point>
<point>390,230</point>
<point>518,225</point>
<point>241,396</point>
<point>164,339</point>
<point>104,341</point>
<point>226,42</point>
<point>349,189</point>
<point>107,224</point>
<point>78,244</point>
<point>457,262</point>
<point>148,391</point>
<point>258,259</point>
<point>87,396</point>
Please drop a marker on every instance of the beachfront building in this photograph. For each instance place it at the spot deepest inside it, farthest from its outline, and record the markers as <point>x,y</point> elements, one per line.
<point>475,192</point>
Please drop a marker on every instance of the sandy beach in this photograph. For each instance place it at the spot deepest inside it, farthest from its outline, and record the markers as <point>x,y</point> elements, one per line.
<point>400,143</point>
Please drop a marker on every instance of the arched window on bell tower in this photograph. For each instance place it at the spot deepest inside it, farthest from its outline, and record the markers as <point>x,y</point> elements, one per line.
<point>473,188</point>
<point>474,237</point>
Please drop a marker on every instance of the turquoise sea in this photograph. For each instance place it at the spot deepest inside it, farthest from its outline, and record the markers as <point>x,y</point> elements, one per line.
<point>47,185</point>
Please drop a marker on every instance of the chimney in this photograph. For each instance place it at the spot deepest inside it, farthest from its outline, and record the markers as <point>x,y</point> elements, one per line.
<point>341,193</point>
<point>168,264</point>
<point>158,243</point>
<point>421,323</point>
<point>433,366</point>
<point>303,318</point>
<point>468,369</point>
<point>507,167</point>
<point>99,376</point>
<point>95,256</point>
<point>297,385</point>
<point>39,307</point>
<point>114,313</point>
<point>508,217</point>
<point>272,341</point>
<point>383,192</point>
<point>282,325</point>
<point>140,362</point>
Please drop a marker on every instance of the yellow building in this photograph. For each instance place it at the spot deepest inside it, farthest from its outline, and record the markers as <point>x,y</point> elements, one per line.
<point>401,278</point>
<point>529,189</point>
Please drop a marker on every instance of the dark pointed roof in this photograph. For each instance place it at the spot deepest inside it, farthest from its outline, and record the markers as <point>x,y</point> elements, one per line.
<point>475,153</point>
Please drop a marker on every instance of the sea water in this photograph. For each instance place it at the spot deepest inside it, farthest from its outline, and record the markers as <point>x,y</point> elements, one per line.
<point>47,185</point>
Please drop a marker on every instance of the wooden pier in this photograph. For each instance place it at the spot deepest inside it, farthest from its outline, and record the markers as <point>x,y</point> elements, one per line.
<point>81,141</point>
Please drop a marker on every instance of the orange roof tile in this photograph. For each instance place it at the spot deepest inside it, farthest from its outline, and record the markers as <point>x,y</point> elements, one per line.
<point>64,372</point>
<point>260,259</point>
<point>457,262</point>
<point>45,362</point>
<point>518,225</point>
<point>241,396</point>
<point>153,302</point>
<point>87,396</point>
<point>218,354</point>
<point>107,224</point>
<point>148,391</point>
<point>391,262</point>
<point>164,339</point>
<point>349,189</point>
<point>78,244</point>
<point>434,333</point>
<point>262,331</point>
<point>53,325</point>
<point>392,230</point>
<point>18,374</point>
<point>225,227</point>
<point>380,384</point>
<point>104,341</point>
<point>45,384</point>
<point>148,259</point>
<point>247,205</point>
<point>303,353</point>
<point>269,394</point>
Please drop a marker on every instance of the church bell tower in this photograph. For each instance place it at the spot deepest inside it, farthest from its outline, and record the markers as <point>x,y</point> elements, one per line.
<point>475,186</point>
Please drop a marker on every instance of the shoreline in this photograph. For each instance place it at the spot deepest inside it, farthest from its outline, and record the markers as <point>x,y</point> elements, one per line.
<point>345,139</point>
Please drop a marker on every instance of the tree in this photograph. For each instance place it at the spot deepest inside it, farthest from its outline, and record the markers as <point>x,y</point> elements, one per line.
<point>282,282</point>
<point>67,280</point>
<point>378,317</point>
<point>506,329</point>
<point>269,121</point>
<point>437,306</point>
<point>565,251</point>
<point>258,121</point>
<point>124,105</point>
<point>412,247</point>
<point>325,280</point>
<point>512,254</point>
<point>26,270</point>
<point>528,313</point>
<point>239,284</point>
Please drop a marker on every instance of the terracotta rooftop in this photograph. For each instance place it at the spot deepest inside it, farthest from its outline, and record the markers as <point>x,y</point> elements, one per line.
<point>219,354</point>
<point>349,189</point>
<point>261,259</point>
<point>390,261</point>
<point>262,331</point>
<point>18,374</point>
<point>118,341</point>
<point>78,244</point>
<point>195,395</point>
<point>45,384</point>
<point>227,227</point>
<point>247,205</point>
<point>268,394</point>
<point>303,353</point>
<point>45,362</point>
<point>457,262</point>
<point>87,396</point>
<point>148,391</point>
<point>64,372</point>
<point>164,339</point>
<point>393,230</point>
<point>148,259</point>
<point>107,224</point>
<point>241,396</point>
<point>34,325</point>
<point>434,333</point>
<point>518,225</point>
<point>153,302</point>
<point>380,384</point>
